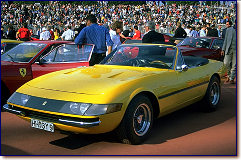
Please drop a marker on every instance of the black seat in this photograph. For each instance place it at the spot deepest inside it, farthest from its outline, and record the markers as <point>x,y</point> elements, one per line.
<point>191,61</point>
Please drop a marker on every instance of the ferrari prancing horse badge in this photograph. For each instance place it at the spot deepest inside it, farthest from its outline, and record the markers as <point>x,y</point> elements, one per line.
<point>23,71</point>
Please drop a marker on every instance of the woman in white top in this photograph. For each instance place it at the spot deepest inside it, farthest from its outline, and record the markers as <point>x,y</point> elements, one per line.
<point>115,31</point>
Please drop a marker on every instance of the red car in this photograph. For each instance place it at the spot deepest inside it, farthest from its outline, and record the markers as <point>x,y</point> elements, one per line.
<point>167,38</point>
<point>206,47</point>
<point>35,58</point>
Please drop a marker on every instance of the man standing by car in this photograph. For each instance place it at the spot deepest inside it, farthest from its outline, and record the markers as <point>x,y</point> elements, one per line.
<point>203,31</point>
<point>137,34</point>
<point>151,35</point>
<point>45,35</point>
<point>180,32</point>
<point>68,35</point>
<point>224,30</point>
<point>213,32</point>
<point>97,35</point>
<point>229,53</point>
<point>23,33</point>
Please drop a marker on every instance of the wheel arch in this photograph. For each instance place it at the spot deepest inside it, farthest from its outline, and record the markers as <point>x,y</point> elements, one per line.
<point>216,75</point>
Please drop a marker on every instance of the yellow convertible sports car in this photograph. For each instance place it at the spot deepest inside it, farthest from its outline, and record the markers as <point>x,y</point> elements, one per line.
<point>132,86</point>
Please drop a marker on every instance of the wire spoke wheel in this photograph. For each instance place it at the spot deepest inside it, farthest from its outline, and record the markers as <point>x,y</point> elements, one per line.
<point>212,96</point>
<point>142,119</point>
<point>214,93</point>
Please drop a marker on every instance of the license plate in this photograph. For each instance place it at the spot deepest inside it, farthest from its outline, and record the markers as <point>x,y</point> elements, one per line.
<point>42,125</point>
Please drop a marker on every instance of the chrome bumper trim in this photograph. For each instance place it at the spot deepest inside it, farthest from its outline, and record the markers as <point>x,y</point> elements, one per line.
<point>79,124</point>
<point>7,108</point>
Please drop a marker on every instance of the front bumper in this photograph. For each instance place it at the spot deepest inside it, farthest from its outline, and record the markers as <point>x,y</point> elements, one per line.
<point>69,121</point>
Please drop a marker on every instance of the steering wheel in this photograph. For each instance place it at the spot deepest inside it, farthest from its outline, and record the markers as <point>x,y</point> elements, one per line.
<point>137,62</point>
<point>158,61</point>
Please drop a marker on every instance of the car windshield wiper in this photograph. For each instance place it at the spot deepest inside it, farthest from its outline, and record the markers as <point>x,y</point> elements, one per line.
<point>10,57</point>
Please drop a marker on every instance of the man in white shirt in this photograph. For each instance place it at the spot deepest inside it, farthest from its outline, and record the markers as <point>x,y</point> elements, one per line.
<point>68,35</point>
<point>188,30</point>
<point>115,31</point>
<point>203,31</point>
<point>45,35</point>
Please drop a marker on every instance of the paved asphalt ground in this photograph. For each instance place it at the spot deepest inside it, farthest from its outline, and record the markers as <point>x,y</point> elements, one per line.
<point>186,132</point>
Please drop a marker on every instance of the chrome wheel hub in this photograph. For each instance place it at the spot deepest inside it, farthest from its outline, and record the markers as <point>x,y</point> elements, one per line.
<point>214,93</point>
<point>142,119</point>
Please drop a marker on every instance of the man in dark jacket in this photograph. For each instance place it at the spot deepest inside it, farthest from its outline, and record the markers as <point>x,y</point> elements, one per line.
<point>213,32</point>
<point>180,32</point>
<point>151,35</point>
<point>11,33</point>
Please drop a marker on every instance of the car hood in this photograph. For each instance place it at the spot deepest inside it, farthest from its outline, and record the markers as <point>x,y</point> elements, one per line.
<point>92,80</point>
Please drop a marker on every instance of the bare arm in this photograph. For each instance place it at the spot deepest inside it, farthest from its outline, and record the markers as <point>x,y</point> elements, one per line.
<point>109,49</point>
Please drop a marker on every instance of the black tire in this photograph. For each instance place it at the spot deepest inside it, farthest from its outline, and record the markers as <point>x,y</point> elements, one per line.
<point>137,121</point>
<point>212,96</point>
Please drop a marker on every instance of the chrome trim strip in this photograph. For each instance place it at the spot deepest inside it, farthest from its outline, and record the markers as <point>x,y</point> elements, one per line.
<point>7,108</point>
<point>79,124</point>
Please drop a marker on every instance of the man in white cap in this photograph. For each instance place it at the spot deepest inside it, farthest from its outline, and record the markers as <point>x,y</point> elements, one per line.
<point>45,35</point>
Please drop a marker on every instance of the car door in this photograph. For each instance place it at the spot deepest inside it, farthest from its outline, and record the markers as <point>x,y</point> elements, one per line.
<point>166,81</point>
<point>16,64</point>
<point>184,86</point>
<point>63,57</point>
<point>192,80</point>
<point>216,49</point>
<point>15,74</point>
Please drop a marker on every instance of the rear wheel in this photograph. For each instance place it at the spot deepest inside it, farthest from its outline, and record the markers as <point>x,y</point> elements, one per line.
<point>137,121</point>
<point>212,96</point>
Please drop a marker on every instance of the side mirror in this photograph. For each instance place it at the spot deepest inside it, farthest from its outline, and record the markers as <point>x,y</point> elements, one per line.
<point>182,68</point>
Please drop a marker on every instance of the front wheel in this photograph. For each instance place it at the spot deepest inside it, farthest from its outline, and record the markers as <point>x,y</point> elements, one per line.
<point>137,121</point>
<point>212,96</point>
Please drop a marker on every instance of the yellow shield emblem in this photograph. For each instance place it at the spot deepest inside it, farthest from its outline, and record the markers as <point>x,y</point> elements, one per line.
<point>23,71</point>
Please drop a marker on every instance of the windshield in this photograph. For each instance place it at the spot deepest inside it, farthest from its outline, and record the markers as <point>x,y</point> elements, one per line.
<point>69,53</point>
<point>24,52</point>
<point>156,56</point>
<point>7,46</point>
<point>196,42</point>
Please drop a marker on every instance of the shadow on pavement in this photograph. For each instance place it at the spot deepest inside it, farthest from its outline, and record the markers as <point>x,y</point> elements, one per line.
<point>8,150</point>
<point>76,141</point>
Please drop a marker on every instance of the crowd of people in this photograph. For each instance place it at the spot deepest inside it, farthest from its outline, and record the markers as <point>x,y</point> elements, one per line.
<point>57,16</point>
